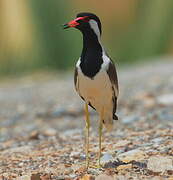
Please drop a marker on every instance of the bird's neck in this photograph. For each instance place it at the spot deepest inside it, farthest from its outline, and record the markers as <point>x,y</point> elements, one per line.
<point>91,42</point>
<point>91,57</point>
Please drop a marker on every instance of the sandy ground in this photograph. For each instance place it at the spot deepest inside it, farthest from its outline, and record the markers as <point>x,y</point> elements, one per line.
<point>42,128</point>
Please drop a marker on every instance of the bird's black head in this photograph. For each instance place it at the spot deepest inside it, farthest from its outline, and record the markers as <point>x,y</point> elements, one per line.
<point>84,22</point>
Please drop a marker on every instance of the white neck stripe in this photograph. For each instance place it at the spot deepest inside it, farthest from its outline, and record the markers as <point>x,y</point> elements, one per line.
<point>94,26</point>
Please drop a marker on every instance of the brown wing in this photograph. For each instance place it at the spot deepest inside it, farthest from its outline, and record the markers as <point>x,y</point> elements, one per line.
<point>114,81</point>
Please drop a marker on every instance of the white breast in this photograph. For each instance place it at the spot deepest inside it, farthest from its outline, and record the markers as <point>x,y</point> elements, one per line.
<point>97,91</point>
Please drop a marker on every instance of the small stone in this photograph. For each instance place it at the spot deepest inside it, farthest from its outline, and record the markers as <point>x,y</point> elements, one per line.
<point>50,132</point>
<point>21,164</point>
<point>160,163</point>
<point>72,132</point>
<point>26,177</point>
<point>122,167</point>
<point>45,177</point>
<point>35,177</point>
<point>147,98</point>
<point>70,177</point>
<point>158,140</point>
<point>75,154</point>
<point>75,167</point>
<point>170,178</point>
<point>122,143</point>
<point>50,170</point>
<point>129,119</point>
<point>133,155</point>
<point>120,177</point>
<point>68,171</point>
<point>104,177</point>
<point>166,99</point>
<point>80,170</point>
<point>58,112</point>
<point>87,177</point>
<point>106,158</point>
<point>94,171</point>
<point>26,149</point>
<point>2,177</point>
<point>34,135</point>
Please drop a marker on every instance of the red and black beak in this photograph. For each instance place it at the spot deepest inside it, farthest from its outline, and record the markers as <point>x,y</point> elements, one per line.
<point>74,22</point>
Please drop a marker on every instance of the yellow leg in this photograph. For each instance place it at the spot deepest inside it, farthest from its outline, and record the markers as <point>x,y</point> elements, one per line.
<point>100,135</point>
<point>87,134</point>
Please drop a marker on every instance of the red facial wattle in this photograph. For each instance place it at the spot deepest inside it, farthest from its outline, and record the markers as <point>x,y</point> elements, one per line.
<point>75,22</point>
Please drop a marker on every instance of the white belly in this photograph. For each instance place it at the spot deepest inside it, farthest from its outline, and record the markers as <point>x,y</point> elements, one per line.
<point>97,91</point>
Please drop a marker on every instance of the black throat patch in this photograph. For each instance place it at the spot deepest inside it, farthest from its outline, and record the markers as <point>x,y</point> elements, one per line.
<point>91,57</point>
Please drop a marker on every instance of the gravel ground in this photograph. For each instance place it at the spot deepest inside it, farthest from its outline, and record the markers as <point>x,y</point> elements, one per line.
<point>42,124</point>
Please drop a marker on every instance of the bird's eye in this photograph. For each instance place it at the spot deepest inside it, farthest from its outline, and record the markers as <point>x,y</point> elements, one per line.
<point>86,19</point>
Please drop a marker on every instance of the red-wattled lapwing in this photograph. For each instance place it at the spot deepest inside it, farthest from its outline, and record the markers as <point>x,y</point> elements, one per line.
<point>95,76</point>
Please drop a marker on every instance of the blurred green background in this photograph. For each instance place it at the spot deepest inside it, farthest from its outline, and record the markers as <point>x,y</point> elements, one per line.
<point>32,39</point>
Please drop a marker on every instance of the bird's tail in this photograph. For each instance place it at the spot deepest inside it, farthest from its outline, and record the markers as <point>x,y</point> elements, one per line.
<point>115,117</point>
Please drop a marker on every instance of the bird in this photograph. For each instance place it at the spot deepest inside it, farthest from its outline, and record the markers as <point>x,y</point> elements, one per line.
<point>95,77</point>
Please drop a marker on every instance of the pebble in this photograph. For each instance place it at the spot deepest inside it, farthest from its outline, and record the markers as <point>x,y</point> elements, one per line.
<point>129,119</point>
<point>160,163</point>
<point>106,158</point>
<point>87,177</point>
<point>24,178</point>
<point>72,132</point>
<point>21,164</point>
<point>122,167</point>
<point>75,154</point>
<point>122,143</point>
<point>104,177</point>
<point>133,155</point>
<point>158,140</point>
<point>24,149</point>
<point>50,132</point>
<point>35,177</point>
<point>166,99</point>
